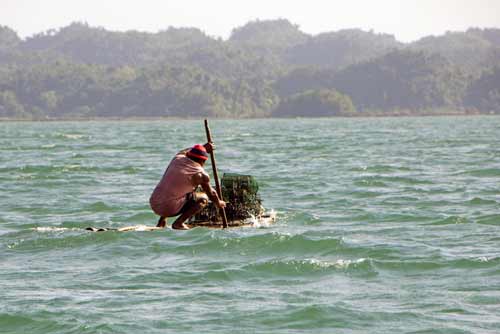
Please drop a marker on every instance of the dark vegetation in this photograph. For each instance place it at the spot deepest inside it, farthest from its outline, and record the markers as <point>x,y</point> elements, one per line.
<point>266,68</point>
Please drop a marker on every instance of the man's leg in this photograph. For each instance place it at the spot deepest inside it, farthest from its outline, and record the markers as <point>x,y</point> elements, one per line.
<point>199,201</point>
<point>161,222</point>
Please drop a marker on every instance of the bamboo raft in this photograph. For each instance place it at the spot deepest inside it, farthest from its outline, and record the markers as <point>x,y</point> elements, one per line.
<point>264,220</point>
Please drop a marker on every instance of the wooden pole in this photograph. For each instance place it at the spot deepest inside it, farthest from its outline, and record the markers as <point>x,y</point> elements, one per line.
<point>216,176</point>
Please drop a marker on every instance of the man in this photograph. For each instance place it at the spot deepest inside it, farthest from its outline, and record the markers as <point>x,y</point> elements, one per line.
<point>175,193</point>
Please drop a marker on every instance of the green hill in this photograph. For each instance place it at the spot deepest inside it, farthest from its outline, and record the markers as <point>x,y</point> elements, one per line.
<point>266,68</point>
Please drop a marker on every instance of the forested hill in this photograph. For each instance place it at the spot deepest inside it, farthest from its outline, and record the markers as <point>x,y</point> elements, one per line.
<point>265,68</point>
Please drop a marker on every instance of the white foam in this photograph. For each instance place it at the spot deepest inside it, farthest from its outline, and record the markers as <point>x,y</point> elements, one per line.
<point>68,167</point>
<point>339,264</point>
<point>53,229</point>
<point>254,222</point>
<point>72,136</point>
<point>142,228</point>
<point>343,264</point>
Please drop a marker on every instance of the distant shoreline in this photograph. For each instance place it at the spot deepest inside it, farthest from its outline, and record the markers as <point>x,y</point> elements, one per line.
<point>169,118</point>
<point>267,68</point>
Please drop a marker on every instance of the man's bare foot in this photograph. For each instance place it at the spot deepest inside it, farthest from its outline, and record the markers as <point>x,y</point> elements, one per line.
<point>161,222</point>
<point>180,226</point>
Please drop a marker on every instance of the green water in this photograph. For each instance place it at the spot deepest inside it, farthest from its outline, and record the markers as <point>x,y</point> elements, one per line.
<point>384,226</point>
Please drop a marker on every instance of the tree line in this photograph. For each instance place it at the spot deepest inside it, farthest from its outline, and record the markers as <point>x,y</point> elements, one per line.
<point>265,69</point>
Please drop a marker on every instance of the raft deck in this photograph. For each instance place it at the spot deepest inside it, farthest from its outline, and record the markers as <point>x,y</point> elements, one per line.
<point>264,220</point>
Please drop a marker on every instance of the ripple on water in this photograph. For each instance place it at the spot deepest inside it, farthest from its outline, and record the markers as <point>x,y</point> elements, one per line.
<point>493,219</point>
<point>485,172</point>
<point>308,267</point>
<point>452,220</point>
<point>40,322</point>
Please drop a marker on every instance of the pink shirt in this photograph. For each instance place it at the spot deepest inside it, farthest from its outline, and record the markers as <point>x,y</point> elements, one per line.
<point>169,195</point>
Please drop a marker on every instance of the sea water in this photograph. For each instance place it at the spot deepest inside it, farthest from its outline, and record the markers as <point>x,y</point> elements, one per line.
<point>385,225</point>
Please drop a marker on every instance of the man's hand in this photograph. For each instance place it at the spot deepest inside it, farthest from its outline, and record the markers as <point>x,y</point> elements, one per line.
<point>221,204</point>
<point>210,147</point>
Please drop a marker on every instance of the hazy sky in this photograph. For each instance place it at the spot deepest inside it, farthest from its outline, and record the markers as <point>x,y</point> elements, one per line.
<point>406,19</point>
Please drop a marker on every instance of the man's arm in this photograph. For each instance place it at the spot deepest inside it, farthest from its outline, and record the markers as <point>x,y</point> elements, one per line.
<point>184,151</point>
<point>204,180</point>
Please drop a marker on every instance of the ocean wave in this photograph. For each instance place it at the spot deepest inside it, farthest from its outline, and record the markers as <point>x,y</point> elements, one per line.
<point>305,267</point>
<point>370,183</point>
<point>485,172</point>
<point>267,243</point>
<point>47,171</point>
<point>381,169</point>
<point>34,323</point>
<point>429,264</point>
<point>493,219</point>
<point>452,220</point>
<point>72,136</point>
<point>50,239</point>
<point>478,201</point>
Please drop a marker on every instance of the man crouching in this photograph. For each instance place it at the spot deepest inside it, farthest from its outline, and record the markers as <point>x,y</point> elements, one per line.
<point>175,193</point>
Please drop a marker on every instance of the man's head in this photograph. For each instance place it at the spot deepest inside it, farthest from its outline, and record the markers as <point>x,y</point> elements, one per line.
<point>198,153</point>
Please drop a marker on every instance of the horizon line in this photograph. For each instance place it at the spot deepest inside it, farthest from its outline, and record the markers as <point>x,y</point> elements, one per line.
<point>216,37</point>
